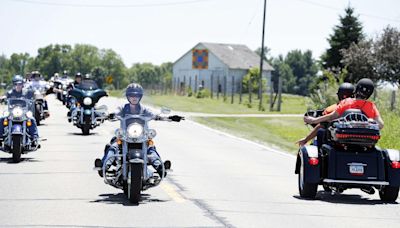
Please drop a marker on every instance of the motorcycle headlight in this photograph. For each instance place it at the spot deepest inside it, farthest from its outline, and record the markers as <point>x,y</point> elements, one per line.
<point>29,114</point>
<point>135,130</point>
<point>64,86</point>
<point>6,113</point>
<point>17,112</point>
<point>152,133</point>
<point>87,101</point>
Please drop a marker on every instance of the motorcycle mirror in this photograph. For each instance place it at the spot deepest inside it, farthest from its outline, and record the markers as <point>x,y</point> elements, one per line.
<point>165,110</point>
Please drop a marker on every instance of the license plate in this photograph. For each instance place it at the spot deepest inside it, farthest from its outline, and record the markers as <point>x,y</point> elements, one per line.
<point>356,169</point>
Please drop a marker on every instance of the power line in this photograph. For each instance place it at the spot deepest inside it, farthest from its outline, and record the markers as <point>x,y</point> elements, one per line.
<point>110,5</point>
<point>339,9</point>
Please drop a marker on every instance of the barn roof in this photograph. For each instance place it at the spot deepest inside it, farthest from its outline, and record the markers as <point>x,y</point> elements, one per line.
<point>236,56</point>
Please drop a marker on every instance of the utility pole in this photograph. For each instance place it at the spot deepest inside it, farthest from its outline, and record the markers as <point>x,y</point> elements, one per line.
<point>262,58</point>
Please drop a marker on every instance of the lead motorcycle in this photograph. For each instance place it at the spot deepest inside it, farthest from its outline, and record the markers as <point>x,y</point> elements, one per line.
<point>127,167</point>
<point>348,158</point>
<point>16,122</point>
<point>84,114</point>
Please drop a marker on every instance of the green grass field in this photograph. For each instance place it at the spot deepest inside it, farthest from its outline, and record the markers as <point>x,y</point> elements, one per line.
<point>290,104</point>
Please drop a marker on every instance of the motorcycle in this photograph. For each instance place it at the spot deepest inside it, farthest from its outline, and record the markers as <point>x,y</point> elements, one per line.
<point>84,114</point>
<point>16,122</point>
<point>61,89</point>
<point>128,166</point>
<point>347,158</point>
<point>39,104</point>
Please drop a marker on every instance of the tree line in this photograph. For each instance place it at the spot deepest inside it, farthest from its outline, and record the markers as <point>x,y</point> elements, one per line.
<point>105,65</point>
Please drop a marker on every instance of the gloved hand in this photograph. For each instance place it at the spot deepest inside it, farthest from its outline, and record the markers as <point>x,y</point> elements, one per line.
<point>111,116</point>
<point>176,118</point>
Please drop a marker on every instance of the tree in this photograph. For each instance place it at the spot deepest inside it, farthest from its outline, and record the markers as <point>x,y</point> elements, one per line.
<point>387,51</point>
<point>52,59</point>
<point>304,70</point>
<point>18,63</point>
<point>113,66</point>
<point>360,61</point>
<point>349,31</point>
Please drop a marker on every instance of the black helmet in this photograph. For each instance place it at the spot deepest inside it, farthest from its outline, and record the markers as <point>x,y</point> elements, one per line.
<point>345,90</point>
<point>134,90</point>
<point>86,77</point>
<point>78,75</point>
<point>35,74</point>
<point>364,88</point>
<point>18,79</point>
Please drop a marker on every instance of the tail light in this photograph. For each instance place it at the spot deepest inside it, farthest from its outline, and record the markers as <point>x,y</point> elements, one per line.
<point>313,161</point>
<point>346,136</point>
<point>395,165</point>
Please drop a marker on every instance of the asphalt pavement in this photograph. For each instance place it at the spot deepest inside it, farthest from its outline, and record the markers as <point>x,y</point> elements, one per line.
<point>218,180</point>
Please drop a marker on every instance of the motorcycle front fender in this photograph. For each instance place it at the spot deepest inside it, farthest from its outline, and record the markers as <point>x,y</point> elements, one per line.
<point>16,129</point>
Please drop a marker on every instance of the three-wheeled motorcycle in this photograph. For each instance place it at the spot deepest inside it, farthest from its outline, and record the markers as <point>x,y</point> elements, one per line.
<point>347,157</point>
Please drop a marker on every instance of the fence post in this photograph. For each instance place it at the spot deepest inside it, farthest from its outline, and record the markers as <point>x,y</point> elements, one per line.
<point>393,100</point>
<point>218,87</point>
<point>279,93</point>
<point>233,88</point>
<point>225,86</point>
<point>212,85</point>
<point>249,85</point>
<point>240,91</point>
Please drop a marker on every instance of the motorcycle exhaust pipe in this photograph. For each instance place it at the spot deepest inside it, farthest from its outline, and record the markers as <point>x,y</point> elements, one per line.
<point>369,190</point>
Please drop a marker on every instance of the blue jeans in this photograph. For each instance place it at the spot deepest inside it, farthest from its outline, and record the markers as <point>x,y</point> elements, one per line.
<point>152,154</point>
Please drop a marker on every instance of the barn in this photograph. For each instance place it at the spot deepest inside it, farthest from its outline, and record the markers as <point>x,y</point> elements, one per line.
<point>217,67</point>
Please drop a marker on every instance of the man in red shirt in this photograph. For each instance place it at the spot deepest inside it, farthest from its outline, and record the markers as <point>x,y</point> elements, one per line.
<point>364,89</point>
<point>345,90</point>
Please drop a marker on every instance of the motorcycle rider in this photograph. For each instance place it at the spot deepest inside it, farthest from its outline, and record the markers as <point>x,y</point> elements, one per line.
<point>134,93</point>
<point>85,83</point>
<point>37,82</point>
<point>19,92</point>
<point>364,89</point>
<point>345,90</point>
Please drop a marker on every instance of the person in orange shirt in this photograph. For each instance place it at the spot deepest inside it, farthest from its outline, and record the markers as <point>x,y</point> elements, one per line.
<point>346,90</point>
<point>364,89</point>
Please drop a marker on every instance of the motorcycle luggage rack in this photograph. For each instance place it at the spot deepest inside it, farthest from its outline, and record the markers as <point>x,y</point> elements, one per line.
<point>356,129</point>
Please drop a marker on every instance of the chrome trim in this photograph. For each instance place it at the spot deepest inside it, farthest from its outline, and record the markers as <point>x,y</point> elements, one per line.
<point>355,182</point>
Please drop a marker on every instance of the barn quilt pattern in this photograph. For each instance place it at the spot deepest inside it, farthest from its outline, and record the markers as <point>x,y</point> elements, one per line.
<point>199,59</point>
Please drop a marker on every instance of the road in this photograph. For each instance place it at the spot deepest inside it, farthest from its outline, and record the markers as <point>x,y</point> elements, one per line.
<point>217,181</point>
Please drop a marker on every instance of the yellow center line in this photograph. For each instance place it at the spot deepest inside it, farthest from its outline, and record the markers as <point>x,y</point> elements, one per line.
<point>172,193</point>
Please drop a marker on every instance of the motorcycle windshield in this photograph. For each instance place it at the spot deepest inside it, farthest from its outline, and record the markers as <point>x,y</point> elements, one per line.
<point>80,94</point>
<point>13,102</point>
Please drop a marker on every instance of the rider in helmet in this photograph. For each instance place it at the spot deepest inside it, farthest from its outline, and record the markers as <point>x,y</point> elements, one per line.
<point>134,94</point>
<point>18,91</point>
<point>88,83</point>
<point>38,83</point>
<point>345,90</point>
<point>364,89</point>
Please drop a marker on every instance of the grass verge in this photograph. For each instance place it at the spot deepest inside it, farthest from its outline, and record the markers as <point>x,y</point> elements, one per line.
<point>280,132</point>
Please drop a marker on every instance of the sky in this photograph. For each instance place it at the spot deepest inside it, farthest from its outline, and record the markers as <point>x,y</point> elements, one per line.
<point>160,31</point>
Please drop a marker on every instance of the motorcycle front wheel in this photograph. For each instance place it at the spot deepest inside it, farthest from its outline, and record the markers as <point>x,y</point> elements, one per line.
<point>16,148</point>
<point>37,114</point>
<point>135,175</point>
